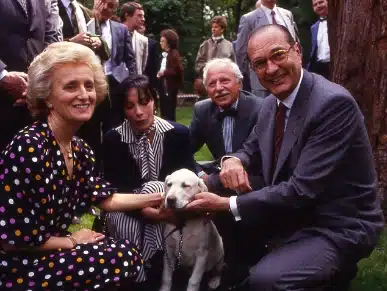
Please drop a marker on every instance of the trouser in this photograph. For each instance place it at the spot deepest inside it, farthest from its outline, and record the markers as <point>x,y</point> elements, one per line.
<point>308,263</point>
<point>322,69</point>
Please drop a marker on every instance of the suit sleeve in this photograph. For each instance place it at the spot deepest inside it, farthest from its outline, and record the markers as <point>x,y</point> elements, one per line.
<point>244,31</point>
<point>330,137</point>
<point>130,59</point>
<point>53,28</point>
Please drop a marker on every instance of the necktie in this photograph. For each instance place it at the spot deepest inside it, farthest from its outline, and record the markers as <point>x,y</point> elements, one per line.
<point>146,155</point>
<point>279,130</point>
<point>273,17</point>
<point>24,5</point>
<point>74,20</point>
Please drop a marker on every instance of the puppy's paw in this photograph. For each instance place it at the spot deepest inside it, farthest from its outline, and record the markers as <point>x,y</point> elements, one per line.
<point>214,283</point>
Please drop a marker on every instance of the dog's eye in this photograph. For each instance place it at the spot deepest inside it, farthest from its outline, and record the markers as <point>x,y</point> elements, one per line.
<point>184,185</point>
<point>169,184</point>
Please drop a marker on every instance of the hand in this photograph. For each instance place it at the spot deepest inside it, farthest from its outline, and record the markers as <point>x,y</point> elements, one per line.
<point>207,201</point>
<point>87,236</point>
<point>15,83</point>
<point>160,74</point>
<point>161,214</point>
<point>82,38</point>
<point>95,42</point>
<point>233,176</point>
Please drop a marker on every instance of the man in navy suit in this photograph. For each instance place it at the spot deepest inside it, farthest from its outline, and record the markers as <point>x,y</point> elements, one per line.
<point>26,28</point>
<point>319,205</point>
<point>320,59</point>
<point>224,122</point>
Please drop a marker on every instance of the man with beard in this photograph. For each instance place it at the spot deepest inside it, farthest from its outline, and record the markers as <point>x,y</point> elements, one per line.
<point>223,122</point>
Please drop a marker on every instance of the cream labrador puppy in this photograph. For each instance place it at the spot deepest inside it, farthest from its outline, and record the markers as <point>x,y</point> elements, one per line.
<point>199,246</point>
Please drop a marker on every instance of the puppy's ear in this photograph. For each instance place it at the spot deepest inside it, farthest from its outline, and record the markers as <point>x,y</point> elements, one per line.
<point>166,181</point>
<point>202,185</point>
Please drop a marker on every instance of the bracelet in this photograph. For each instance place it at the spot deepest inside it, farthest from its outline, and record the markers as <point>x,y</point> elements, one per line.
<point>73,240</point>
<point>201,174</point>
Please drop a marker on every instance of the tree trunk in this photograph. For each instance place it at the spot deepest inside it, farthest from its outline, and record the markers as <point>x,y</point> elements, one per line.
<point>358,43</point>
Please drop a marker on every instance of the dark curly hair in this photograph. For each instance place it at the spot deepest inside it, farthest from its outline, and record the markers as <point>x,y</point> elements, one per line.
<point>172,38</point>
<point>139,82</point>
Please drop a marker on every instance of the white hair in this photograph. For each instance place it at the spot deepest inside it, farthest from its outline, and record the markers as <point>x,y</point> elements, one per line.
<point>223,63</point>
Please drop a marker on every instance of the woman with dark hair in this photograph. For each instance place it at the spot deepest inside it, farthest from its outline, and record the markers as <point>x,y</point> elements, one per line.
<point>138,155</point>
<point>171,73</point>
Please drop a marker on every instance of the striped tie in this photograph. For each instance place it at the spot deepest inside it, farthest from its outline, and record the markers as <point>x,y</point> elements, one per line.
<point>145,152</point>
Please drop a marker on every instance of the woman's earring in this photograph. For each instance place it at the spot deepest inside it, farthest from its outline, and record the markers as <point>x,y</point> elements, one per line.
<point>49,106</point>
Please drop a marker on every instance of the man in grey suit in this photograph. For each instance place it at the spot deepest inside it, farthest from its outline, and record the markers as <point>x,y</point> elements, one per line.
<point>26,28</point>
<point>319,204</point>
<point>224,123</point>
<point>267,12</point>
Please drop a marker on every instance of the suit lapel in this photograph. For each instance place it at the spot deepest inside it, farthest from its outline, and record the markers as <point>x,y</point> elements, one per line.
<point>216,134</point>
<point>262,18</point>
<point>266,137</point>
<point>240,127</point>
<point>114,40</point>
<point>295,122</point>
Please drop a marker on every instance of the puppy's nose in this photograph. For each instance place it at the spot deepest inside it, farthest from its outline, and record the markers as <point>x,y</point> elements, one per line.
<point>171,201</point>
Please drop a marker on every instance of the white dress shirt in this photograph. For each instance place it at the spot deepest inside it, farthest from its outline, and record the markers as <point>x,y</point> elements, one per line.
<point>107,37</point>
<point>277,16</point>
<point>163,62</point>
<point>288,102</point>
<point>323,50</point>
<point>78,13</point>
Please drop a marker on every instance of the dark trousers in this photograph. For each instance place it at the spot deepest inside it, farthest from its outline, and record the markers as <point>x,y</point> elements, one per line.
<point>309,263</point>
<point>168,100</point>
<point>323,69</point>
<point>12,119</point>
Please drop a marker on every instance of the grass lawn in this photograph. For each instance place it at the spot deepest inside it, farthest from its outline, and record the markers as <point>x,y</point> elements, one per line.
<point>372,274</point>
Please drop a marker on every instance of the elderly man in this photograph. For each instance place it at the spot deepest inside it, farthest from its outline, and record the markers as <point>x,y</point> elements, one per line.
<point>320,58</point>
<point>223,123</point>
<point>266,12</point>
<point>319,203</point>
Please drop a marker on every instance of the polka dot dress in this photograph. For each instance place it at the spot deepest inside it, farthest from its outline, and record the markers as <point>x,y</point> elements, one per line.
<point>38,200</point>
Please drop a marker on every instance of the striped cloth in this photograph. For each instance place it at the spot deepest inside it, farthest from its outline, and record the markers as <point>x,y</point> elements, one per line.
<point>228,129</point>
<point>123,225</point>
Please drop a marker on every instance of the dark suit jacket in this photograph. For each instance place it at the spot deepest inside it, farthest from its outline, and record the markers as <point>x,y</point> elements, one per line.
<point>121,169</point>
<point>68,30</point>
<point>122,55</point>
<point>206,128</point>
<point>313,51</point>
<point>153,62</point>
<point>22,39</point>
<point>174,71</point>
<point>324,182</point>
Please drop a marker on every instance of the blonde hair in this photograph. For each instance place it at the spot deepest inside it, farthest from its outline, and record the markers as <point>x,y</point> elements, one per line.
<point>41,70</point>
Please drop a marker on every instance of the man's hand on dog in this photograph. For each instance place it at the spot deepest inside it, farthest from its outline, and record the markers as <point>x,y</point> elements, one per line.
<point>207,201</point>
<point>233,176</point>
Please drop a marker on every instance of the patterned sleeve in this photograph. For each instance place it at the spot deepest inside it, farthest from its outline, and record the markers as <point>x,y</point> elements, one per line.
<point>22,187</point>
<point>94,188</point>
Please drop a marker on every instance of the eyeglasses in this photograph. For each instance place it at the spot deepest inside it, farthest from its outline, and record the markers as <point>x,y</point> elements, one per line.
<point>278,57</point>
